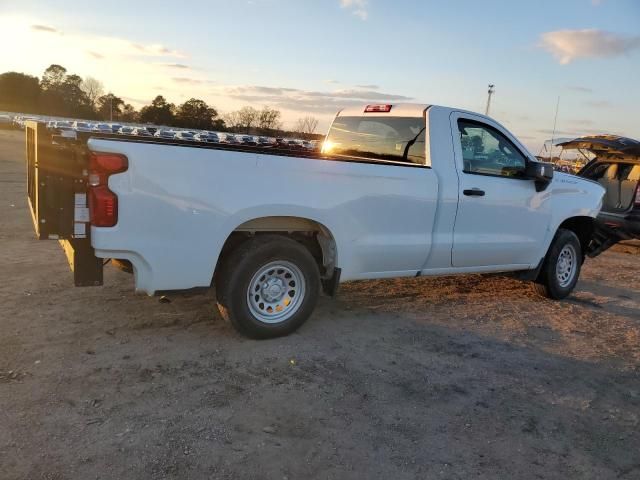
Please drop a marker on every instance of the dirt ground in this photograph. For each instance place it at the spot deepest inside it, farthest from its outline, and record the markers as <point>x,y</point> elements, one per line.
<point>454,378</point>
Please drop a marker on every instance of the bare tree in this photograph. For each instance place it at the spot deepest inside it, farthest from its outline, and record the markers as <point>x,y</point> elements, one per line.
<point>306,125</point>
<point>232,120</point>
<point>269,119</point>
<point>248,117</point>
<point>93,88</point>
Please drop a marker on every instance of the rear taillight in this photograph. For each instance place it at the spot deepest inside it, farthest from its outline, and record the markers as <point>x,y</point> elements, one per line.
<point>103,203</point>
<point>636,201</point>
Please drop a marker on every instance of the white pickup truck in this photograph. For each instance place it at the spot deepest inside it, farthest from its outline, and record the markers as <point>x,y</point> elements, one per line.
<point>398,191</point>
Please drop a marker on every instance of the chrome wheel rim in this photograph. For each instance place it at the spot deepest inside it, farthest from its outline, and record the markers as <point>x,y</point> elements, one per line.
<point>275,292</point>
<point>566,265</point>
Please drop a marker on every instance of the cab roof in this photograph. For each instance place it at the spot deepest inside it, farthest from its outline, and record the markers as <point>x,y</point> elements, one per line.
<point>399,110</point>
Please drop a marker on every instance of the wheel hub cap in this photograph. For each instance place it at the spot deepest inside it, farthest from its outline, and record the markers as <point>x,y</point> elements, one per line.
<point>566,265</point>
<point>275,292</point>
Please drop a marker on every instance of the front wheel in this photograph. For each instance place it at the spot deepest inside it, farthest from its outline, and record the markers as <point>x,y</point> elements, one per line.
<point>268,286</point>
<point>561,267</point>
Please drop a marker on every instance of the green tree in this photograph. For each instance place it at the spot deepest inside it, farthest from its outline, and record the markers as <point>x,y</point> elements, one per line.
<point>110,107</point>
<point>196,113</point>
<point>53,77</point>
<point>160,112</point>
<point>52,85</point>
<point>129,113</point>
<point>19,92</point>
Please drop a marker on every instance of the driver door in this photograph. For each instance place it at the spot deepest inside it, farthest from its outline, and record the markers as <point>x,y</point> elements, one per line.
<point>501,219</point>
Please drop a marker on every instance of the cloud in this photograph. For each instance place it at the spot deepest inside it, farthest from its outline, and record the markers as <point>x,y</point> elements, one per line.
<point>191,81</point>
<point>44,28</point>
<point>569,45</point>
<point>105,46</point>
<point>181,66</point>
<point>548,131</point>
<point>600,104</point>
<point>357,7</point>
<point>579,88</point>
<point>155,50</point>
<point>306,100</point>
<point>368,87</point>
<point>581,121</point>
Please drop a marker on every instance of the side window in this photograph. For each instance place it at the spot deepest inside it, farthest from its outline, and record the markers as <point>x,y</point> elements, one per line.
<point>486,151</point>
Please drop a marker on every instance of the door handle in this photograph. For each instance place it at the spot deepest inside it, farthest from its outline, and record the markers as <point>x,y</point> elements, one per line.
<point>474,192</point>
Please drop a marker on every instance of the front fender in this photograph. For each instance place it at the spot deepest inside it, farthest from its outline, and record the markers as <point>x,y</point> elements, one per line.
<point>571,197</point>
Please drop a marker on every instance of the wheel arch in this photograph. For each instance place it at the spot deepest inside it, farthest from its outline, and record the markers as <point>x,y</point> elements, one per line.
<point>583,226</point>
<point>311,233</point>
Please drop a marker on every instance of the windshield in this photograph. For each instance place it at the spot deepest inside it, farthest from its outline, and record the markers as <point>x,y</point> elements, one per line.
<point>399,139</point>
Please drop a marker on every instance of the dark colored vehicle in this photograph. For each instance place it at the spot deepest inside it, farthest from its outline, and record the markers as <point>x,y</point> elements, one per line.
<point>231,139</point>
<point>615,166</point>
<point>115,127</point>
<point>207,137</point>
<point>248,140</point>
<point>292,145</point>
<point>264,142</point>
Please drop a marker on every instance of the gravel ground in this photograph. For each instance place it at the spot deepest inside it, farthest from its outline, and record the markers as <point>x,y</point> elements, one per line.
<point>454,378</point>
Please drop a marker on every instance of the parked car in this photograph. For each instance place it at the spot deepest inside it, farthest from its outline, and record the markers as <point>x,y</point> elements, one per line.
<point>80,126</point>
<point>102,128</point>
<point>231,139</point>
<point>248,140</point>
<point>399,191</point>
<point>141,132</point>
<point>207,137</point>
<point>125,130</point>
<point>184,135</point>
<point>115,128</point>
<point>164,133</point>
<point>265,142</point>
<point>615,166</point>
<point>292,144</point>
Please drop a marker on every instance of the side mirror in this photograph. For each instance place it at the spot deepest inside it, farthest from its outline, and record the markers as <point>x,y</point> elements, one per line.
<point>541,173</point>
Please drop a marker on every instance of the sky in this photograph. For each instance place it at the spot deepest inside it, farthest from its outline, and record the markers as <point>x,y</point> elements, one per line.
<point>314,57</point>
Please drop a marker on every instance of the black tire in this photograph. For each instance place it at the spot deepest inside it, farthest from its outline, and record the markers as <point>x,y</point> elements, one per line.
<point>549,282</point>
<point>237,270</point>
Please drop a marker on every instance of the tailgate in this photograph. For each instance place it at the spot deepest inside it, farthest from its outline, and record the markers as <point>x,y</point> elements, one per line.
<point>57,170</point>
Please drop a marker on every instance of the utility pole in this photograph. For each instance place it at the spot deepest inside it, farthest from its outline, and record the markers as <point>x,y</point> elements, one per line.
<point>553,132</point>
<point>490,92</point>
<point>111,108</point>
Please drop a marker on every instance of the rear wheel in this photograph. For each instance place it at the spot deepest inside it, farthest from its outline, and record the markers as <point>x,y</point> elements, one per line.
<point>561,267</point>
<point>268,286</point>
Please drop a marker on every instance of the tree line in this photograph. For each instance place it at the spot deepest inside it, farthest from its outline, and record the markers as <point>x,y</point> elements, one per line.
<point>63,94</point>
